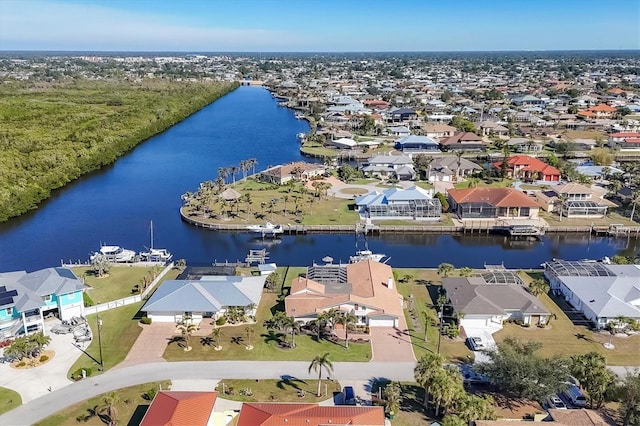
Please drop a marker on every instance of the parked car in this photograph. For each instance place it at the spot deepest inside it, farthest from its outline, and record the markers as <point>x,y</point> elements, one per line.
<point>475,343</point>
<point>575,396</point>
<point>554,401</point>
<point>349,395</point>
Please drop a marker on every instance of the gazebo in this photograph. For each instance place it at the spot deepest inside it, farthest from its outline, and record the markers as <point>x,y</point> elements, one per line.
<point>230,194</point>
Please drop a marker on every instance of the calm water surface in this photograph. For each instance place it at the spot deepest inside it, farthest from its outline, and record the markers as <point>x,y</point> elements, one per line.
<point>116,204</point>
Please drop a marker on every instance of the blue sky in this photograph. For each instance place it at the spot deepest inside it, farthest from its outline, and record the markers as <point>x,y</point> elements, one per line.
<point>319,26</point>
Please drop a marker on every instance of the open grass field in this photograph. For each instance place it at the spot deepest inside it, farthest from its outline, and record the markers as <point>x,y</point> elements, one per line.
<point>287,389</point>
<point>9,400</point>
<point>120,281</point>
<point>120,330</point>
<point>130,406</point>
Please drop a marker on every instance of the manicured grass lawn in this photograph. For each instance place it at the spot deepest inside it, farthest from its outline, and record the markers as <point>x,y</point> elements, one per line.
<point>9,400</point>
<point>287,389</point>
<point>486,184</point>
<point>130,408</point>
<point>119,331</point>
<point>565,338</point>
<point>234,341</point>
<point>119,283</point>
<point>319,150</point>
<point>424,184</point>
<point>422,283</point>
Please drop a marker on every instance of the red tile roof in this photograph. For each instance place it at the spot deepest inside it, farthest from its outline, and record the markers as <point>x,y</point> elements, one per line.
<point>528,163</point>
<point>272,414</point>
<point>174,408</point>
<point>498,197</point>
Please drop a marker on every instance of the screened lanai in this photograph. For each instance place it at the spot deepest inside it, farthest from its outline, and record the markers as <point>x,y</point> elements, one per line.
<point>578,268</point>
<point>583,208</point>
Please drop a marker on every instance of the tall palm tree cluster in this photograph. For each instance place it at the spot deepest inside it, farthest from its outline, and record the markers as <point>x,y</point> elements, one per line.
<point>445,394</point>
<point>27,346</point>
<point>629,178</point>
<point>331,318</point>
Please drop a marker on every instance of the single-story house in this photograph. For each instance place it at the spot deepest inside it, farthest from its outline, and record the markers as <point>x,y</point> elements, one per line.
<point>446,169</point>
<point>598,172</point>
<point>299,170</point>
<point>26,298</point>
<point>492,203</point>
<point>398,131</point>
<point>529,168</point>
<point>438,130</point>
<point>193,408</point>
<point>208,297</point>
<point>625,140</point>
<point>271,414</point>
<point>467,141</point>
<point>399,166</point>
<point>492,128</point>
<point>525,145</point>
<point>366,289</point>
<point>601,292</point>
<point>415,144</point>
<point>489,305</point>
<point>582,201</point>
<point>528,100</point>
<point>412,203</point>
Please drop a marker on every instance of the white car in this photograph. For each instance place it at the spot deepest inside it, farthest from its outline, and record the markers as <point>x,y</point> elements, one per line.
<point>554,401</point>
<point>476,343</point>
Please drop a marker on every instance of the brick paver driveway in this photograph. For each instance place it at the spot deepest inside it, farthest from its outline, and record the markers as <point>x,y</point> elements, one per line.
<point>150,344</point>
<point>391,344</point>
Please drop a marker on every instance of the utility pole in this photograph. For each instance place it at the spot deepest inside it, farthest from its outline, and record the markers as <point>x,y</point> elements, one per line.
<point>439,328</point>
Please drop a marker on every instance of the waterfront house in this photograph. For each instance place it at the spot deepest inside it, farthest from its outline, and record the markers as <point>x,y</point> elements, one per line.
<point>299,170</point>
<point>448,169</point>
<point>415,144</point>
<point>625,140</point>
<point>298,414</point>
<point>581,201</point>
<point>488,305</point>
<point>601,292</point>
<point>467,141</point>
<point>26,298</point>
<point>207,297</point>
<point>492,203</point>
<point>529,168</point>
<point>397,166</point>
<point>366,289</point>
<point>438,130</point>
<point>525,145</point>
<point>413,203</point>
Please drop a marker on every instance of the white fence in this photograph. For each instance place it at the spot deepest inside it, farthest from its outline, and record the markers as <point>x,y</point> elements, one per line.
<point>128,300</point>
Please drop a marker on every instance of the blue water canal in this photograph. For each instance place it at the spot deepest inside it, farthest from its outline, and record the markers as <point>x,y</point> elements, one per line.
<point>116,205</point>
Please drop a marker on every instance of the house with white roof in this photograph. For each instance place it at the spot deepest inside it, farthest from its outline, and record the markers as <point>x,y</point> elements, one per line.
<point>207,297</point>
<point>398,166</point>
<point>413,203</point>
<point>601,292</point>
<point>26,298</point>
<point>415,144</point>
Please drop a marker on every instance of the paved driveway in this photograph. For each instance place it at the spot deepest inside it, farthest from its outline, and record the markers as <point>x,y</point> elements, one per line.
<point>486,334</point>
<point>150,344</point>
<point>390,344</point>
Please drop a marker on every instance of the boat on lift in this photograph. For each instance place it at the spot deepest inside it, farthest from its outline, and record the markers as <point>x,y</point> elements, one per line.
<point>266,229</point>
<point>366,255</point>
<point>155,254</point>
<point>115,254</point>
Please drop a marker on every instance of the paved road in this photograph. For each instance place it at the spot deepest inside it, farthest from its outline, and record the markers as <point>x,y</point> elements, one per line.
<point>48,404</point>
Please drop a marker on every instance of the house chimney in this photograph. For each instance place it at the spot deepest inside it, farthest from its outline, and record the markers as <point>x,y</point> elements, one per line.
<point>390,282</point>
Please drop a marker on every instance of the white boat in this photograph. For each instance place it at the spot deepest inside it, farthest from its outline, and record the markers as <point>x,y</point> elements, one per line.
<point>115,254</point>
<point>155,254</point>
<point>266,229</point>
<point>299,115</point>
<point>366,255</point>
<point>301,135</point>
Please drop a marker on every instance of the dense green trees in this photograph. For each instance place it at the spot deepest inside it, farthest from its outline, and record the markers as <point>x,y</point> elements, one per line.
<point>51,136</point>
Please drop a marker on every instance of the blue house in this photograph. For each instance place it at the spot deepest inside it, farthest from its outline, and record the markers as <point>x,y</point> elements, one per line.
<point>26,298</point>
<point>414,144</point>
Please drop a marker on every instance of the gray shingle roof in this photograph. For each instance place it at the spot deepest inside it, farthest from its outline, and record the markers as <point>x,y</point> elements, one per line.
<point>31,286</point>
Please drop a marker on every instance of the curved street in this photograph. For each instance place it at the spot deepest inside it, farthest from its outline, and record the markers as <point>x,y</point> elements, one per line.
<point>48,404</point>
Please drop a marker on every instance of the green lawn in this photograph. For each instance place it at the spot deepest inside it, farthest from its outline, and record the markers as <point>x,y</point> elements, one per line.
<point>120,281</point>
<point>612,217</point>
<point>234,341</point>
<point>565,338</point>
<point>119,331</point>
<point>424,184</point>
<point>288,389</point>
<point>498,183</point>
<point>422,283</point>
<point>131,407</point>
<point>9,400</point>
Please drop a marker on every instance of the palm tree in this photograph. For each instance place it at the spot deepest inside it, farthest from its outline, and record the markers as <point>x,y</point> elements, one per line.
<point>187,330</point>
<point>635,200</point>
<point>285,198</point>
<point>459,155</point>
<point>425,371</point>
<point>562,202</point>
<point>321,322</point>
<point>447,386</point>
<point>538,286</point>
<point>427,320</point>
<point>253,162</point>
<point>347,319</point>
<point>246,198</point>
<point>223,172</point>
<point>317,364</point>
<point>249,331</point>
<point>472,407</point>
<point>244,167</point>
<point>392,396</point>
<point>465,272</point>
<point>234,171</point>
<point>215,335</point>
<point>445,269</point>
<point>108,408</point>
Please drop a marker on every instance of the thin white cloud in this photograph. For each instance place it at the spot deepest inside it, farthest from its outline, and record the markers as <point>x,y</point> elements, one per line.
<point>64,26</point>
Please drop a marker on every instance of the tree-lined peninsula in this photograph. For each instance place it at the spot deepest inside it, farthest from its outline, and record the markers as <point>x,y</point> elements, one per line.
<point>51,134</point>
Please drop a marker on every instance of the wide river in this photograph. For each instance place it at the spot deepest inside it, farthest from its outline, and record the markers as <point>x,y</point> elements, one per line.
<point>116,205</point>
